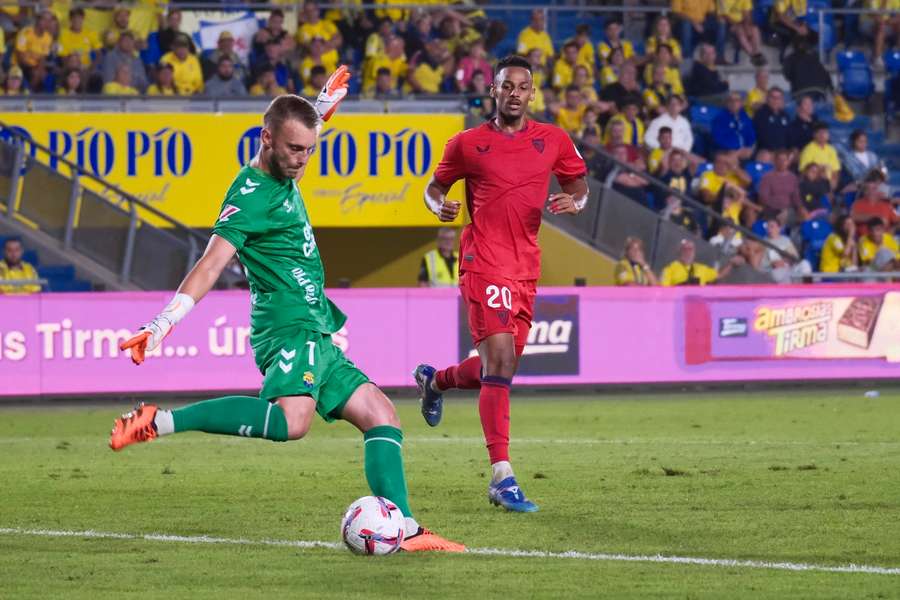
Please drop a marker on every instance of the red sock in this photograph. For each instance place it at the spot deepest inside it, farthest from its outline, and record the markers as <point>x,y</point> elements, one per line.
<point>493,407</point>
<point>464,376</point>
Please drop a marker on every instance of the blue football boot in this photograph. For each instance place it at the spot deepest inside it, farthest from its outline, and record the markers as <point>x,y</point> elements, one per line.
<point>509,495</point>
<point>432,402</point>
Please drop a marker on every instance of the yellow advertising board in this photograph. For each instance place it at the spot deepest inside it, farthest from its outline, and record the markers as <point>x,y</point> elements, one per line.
<point>369,170</point>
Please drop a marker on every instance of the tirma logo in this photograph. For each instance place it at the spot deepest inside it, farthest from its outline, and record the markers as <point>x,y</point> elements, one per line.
<point>344,153</point>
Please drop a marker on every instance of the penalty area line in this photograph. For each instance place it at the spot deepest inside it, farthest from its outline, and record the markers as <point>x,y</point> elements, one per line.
<point>571,555</point>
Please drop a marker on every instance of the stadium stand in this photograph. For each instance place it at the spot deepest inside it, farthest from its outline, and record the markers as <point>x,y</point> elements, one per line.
<point>595,68</point>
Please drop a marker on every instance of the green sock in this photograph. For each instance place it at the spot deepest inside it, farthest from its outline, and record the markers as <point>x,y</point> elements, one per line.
<point>384,465</point>
<point>233,415</point>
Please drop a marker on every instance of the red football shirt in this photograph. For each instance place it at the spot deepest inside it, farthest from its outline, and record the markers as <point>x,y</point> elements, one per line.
<point>507,183</point>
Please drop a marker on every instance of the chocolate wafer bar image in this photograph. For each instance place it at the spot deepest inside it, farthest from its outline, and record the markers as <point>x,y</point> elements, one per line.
<point>857,324</point>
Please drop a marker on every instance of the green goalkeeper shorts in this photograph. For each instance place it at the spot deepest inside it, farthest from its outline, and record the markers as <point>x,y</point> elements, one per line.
<point>307,363</point>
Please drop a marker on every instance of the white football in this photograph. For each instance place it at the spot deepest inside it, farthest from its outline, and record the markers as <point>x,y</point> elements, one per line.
<point>373,525</point>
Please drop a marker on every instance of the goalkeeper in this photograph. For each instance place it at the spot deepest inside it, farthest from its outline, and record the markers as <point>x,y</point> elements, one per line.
<point>264,220</point>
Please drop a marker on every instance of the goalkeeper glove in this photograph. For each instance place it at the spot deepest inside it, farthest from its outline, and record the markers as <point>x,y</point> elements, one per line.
<point>153,333</point>
<point>334,91</point>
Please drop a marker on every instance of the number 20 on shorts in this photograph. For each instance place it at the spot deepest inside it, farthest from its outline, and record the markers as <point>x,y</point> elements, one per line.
<point>496,295</point>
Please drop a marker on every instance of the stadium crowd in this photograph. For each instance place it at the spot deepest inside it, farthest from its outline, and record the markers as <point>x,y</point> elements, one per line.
<point>764,160</point>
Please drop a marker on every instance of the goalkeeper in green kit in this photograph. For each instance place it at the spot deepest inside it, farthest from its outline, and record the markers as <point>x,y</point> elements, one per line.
<point>263,219</point>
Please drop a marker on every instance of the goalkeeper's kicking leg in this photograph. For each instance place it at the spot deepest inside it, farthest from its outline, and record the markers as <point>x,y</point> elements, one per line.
<point>289,418</point>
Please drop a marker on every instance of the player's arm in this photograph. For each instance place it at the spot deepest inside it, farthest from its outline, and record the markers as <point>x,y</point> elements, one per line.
<point>571,200</point>
<point>451,169</point>
<point>436,201</point>
<point>334,90</point>
<point>195,286</point>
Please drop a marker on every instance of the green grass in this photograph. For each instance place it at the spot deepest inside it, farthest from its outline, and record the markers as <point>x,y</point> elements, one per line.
<point>807,478</point>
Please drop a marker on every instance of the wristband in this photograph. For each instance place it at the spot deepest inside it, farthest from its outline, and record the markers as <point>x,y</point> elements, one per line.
<point>180,305</point>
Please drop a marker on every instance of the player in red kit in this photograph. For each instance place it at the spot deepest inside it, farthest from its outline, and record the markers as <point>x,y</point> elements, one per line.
<point>506,163</point>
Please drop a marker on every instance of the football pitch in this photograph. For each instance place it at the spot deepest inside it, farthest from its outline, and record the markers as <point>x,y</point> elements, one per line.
<point>688,495</point>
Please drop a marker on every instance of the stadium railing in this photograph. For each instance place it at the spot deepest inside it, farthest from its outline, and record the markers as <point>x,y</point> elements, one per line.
<point>89,216</point>
<point>850,277</point>
<point>611,217</point>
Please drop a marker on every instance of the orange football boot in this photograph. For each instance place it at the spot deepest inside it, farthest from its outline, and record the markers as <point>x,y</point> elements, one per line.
<point>427,541</point>
<point>133,427</point>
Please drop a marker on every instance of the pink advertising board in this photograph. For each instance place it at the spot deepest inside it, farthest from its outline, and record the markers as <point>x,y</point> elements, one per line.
<point>66,343</point>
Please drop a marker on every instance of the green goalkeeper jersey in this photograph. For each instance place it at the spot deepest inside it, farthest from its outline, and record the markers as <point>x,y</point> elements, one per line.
<point>265,219</point>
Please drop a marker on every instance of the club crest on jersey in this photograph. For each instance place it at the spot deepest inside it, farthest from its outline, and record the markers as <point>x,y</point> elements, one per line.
<point>538,145</point>
<point>503,315</point>
<point>227,211</point>
<point>482,149</point>
<point>309,380</point>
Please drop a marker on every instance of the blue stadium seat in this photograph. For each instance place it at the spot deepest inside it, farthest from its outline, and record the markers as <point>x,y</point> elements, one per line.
<point>75,285</point>
<point>849,58</point>
<point>702,115</point>
<point>151,54</point>
<point>814,233</point>
<point>57,272</point>
<point>857,83</point>
<point>703,168</point>
<point>892,62</point>
<point>756,170</point>
<point>31,256</point>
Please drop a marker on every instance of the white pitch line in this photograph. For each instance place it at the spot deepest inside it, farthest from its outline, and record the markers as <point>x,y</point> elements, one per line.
<point>572,554</point>
<point>515,441</point>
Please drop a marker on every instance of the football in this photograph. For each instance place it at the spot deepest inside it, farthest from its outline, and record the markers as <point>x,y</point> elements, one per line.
<point>373,525</point>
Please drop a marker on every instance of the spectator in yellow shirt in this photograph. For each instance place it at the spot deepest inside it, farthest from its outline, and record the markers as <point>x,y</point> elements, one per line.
<point>121,85</point>
<point>563,70</point>
<point>697,21</point>
<point>13,86</point>
<point>725,170</point>
<point>878,249</point>
<point>75,39</point>
<point>71,84</point>
<point>317,78</point>
<point>186,67</point>
<point>429,72</point>
<point>33,45</point>
<point>789,24</point>
<point>570,115</point>
<point>737,14</point>
<point>318,56</point>
<point>756,97</point>
<point>536,36</point>
<point>840,252</point>
<point>662,34</point>
<point>165,82</point>
<point>881,24</point>
<point>822,153</point>
<point>633,269</point>
<point>634,127</point>
<point>658,159</point>
<point>13,268</point>
<point>582,80</point>
<point>120,24</point>
<point>313,26</point>
<point>657,94</point>
<point>684,271</point>
<point>394,60</point>
<point>586,54</point>
<point>266,84</point>
<point>610,73</point>
<point>613,31</point>
<point>663,58</point>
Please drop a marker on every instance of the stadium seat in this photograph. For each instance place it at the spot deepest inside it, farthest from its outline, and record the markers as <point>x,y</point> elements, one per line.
<point>31,256</point>
<point>57,272</point>
<point>857,82</point>
<point>756,170</point>
<point>850,58</point>
<point>151,54</point>
<point>702,115</point>
<point>892,62</point>
<point>814,233</point>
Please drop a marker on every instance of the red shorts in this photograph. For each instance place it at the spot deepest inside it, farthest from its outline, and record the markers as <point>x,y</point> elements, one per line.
<point>498,305</point>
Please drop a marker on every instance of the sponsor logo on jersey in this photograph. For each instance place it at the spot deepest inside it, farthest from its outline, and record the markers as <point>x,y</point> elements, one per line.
<point>288,206</point>
<point>552,347</point>
<point>307,284</point>
<point>732,327</point>
<point>249,187</point>
<point>227,211</point>
<point>309,380</point>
